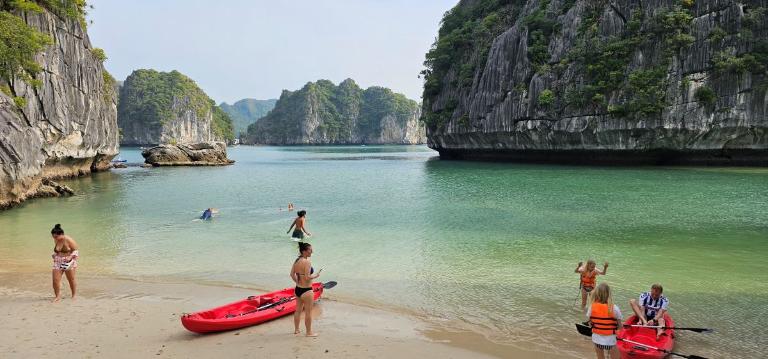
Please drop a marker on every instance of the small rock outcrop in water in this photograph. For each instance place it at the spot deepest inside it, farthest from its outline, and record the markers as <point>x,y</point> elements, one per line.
<point>50,188</point>
<point>168,107</point>
<point>666,81</point>
<point>323,113</point>
<point>63,121</point>
<point>198,154</point>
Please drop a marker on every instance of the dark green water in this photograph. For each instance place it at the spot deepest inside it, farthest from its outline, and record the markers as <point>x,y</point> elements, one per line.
<point>492,246</point>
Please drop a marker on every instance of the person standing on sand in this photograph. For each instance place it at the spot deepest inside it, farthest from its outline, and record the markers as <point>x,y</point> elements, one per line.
<point>604,316</point>
<point>588,278</point>
<point>302,274</point>
<point>298,226</point>
<point>64,256</point>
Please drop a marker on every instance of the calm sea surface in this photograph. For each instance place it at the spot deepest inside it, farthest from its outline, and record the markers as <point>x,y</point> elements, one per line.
<point>490,246</point>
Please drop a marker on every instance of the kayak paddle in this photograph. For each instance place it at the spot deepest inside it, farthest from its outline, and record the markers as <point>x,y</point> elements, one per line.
<point>326,285</point>
<point>587,331</point>
<point>697,330</point>
<point>659,349</point>
<point>584,329</point>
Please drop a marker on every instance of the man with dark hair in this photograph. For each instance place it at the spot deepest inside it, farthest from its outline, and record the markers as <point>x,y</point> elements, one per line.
<point>651,308</point>
<point>298,226</point>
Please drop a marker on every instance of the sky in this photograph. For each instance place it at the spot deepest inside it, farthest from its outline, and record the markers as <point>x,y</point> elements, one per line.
<point>237,49</point>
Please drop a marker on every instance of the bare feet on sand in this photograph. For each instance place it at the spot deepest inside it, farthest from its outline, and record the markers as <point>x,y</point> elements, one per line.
<point>56,300</point>
<point>311,335</point>
<point>296,331</point>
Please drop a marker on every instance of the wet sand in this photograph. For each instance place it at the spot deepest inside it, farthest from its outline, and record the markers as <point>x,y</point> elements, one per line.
<point>130,319</point>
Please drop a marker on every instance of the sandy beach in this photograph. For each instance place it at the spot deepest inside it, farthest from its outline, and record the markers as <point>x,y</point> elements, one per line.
<point>119,318</point>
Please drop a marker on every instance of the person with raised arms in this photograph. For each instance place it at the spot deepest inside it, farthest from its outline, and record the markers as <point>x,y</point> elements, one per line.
<point>589,274</point>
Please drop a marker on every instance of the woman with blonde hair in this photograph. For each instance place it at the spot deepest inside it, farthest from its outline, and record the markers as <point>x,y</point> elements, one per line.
<point>589,274</point>
<point>605,318</point>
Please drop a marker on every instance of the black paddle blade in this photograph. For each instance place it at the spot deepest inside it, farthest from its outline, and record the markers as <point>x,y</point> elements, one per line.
<point>329,285</point>
<point>701,330</point>
<point>696,357</point>
<point>584,329</point>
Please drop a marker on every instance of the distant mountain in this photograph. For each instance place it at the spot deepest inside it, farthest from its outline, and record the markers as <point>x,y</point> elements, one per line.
<point>247,111</point>
<point>322,113</point>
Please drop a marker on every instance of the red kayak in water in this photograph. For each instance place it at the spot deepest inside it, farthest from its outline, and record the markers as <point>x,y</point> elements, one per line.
<point>641,343</point>
<point>250,311</point>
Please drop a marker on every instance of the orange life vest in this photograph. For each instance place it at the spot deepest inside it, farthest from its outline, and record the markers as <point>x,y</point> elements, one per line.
<point>588,278</point>
<point>603,323</point>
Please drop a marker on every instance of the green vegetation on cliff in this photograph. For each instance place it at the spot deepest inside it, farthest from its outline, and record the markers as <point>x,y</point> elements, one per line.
<point>19,42</point>
<point>378,102</point>
<point>342,112</point>
<point>148,97</point>
<point>246,112</point>
<point>222,123</point>
<point>605,61</point>
<point>153,98</point>
<point>613,60</point>
<point>73,9</point>
<point>463,42</point>
<point>18,45</point>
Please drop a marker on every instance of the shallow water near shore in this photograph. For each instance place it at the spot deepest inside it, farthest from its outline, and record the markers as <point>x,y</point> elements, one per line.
<point>492,246</point>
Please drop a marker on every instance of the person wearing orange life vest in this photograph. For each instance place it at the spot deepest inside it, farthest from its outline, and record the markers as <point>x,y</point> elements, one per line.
<point>589,274</point>
<point>605,318</point>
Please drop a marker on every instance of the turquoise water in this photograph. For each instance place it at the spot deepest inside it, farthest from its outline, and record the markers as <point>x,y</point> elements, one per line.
<point>492,246</point>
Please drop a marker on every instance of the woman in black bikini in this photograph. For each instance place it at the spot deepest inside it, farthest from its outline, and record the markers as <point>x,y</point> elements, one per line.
<point>64,256</point>
<point>302,274</point>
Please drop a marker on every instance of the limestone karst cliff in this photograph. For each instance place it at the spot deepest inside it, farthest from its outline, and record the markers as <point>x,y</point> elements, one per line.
<point>168,107</point>
<point>662,81</point>
<point>58,115</point>
<point>323,113</point>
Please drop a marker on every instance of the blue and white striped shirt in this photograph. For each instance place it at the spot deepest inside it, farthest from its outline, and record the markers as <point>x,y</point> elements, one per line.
<point>653,306</point>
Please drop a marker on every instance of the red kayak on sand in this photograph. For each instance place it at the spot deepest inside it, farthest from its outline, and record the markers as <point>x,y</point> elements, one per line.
<point>250,311</point>
<point>641,343</point>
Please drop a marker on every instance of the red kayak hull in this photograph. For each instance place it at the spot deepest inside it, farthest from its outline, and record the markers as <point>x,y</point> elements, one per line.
<point>230,316</point>
<point>645,336</point>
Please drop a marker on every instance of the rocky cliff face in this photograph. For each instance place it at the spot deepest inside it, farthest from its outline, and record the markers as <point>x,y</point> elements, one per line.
<point>67,125</point>
<point>322,113</point>
<point>657,81</point>
<point>186,126</point>
<point>168,107</point>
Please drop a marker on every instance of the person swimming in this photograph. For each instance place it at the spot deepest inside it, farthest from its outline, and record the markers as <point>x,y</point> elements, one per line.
<point>208,214</point>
